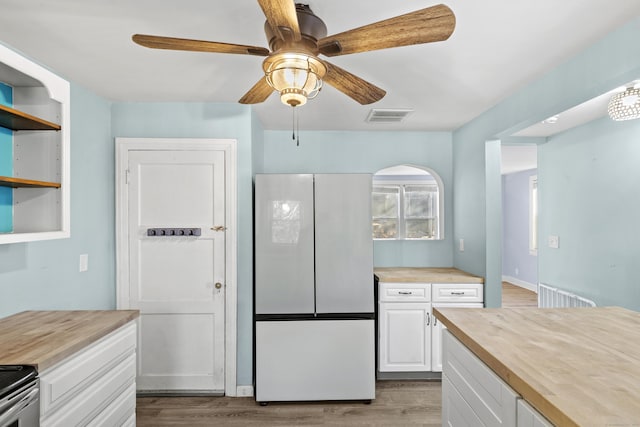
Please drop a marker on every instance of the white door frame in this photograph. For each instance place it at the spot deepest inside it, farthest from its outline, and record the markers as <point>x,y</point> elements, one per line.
<point>229,146</point>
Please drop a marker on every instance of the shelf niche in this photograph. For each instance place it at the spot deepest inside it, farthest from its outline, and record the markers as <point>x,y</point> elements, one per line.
<point>40,123</point>
<point>15,120</point>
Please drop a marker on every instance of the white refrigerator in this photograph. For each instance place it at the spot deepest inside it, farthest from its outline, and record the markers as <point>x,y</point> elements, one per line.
<point>314,303</point>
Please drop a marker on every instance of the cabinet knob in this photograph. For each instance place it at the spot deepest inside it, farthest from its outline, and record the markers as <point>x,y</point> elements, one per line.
<point>218,285</point>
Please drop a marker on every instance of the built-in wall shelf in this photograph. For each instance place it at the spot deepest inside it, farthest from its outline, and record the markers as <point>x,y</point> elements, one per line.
<point>37,120</point>
<point>13,119</point>
<point>6,181</point>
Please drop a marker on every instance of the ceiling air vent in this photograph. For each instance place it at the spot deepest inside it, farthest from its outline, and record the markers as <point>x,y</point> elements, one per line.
<point>395,115</point>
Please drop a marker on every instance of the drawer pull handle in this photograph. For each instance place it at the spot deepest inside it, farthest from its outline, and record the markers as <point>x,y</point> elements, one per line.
<point>457,292</point>
<point>405,293</point>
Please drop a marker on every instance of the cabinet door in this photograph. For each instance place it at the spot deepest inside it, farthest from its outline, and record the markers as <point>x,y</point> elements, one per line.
<point>436,333</point>
<point>405,337</point>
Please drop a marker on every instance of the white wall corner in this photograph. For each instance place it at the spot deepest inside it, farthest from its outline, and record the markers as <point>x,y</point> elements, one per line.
<point>244,391</point>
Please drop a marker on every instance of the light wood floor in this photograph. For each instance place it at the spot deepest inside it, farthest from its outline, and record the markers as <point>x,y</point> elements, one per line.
<point>515,296</point>
<point>397,403</point>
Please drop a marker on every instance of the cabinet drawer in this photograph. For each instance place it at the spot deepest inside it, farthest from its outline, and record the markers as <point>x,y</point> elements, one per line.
<point>452,292</point>
<point>119,411</point>
<point>529,417</point>
<point>490,398</point>
<point>409,292</point>
<point>96,397</point>
<point>70,377</point>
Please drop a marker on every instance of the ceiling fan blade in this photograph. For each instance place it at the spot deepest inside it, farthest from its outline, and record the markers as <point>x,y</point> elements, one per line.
<point>282,17</point>
<point>352,86</point>
<point>428,25</point>
<point>171,43</point>
<point>258,93</point>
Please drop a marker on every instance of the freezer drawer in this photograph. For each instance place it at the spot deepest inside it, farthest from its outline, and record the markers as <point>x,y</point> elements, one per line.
<point>315,360</point>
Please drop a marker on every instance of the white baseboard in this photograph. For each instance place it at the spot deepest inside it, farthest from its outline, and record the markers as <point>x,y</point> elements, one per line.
<point>530,286</point>
<point>244,391</point>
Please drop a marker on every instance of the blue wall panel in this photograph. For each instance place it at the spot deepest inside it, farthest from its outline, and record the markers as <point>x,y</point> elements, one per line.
<point>6,164</point>
<point>517,261</point>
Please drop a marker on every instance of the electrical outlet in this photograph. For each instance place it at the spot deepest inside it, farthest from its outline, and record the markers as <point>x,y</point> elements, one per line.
<point>461,245</point>
<point>84,262</point>
<point>554,242</point>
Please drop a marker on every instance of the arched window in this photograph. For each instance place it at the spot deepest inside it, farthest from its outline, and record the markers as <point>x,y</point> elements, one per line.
<point>407,204</point>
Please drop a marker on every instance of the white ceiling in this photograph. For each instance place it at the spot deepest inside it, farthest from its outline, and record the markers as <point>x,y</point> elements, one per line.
<point>498,47</point>
<point>516,158</point>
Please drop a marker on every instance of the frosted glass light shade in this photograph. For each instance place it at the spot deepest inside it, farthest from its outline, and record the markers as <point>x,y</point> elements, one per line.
<point>297,77</point>
<point>625,105</point>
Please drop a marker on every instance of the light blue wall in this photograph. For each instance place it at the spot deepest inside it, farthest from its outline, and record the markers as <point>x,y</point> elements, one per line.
<point>257,142</point>
<point>517,261</point>
<point>609,63</point>
<point>44,275</point>
<point>208,120</point>
<point>589,187</point>
<point>368,152</point>
<point>6,164</point>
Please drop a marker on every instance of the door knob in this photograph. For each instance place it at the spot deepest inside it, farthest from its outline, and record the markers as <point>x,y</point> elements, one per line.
<point>218,285</point>
<point>219,228</point>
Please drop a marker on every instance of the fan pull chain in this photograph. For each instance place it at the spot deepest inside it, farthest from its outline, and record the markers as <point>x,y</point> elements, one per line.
<point>295,126</point>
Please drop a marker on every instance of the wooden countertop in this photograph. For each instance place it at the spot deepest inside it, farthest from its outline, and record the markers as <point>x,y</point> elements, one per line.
<point>425,275</point>
<point>576,366</point>
<point>44,338</point>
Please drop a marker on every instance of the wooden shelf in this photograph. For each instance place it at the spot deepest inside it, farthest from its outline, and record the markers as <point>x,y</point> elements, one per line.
<point>6,181</point>
<point>13,119</point>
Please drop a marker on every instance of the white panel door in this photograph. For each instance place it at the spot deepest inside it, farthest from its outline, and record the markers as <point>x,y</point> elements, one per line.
<point>177,282</point>
<point>405,336</point>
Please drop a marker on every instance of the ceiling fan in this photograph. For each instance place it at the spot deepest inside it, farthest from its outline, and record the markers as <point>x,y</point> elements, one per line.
<point>297,36</point>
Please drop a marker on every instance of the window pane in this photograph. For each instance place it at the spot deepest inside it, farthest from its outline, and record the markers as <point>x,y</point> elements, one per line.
<point>420,228</point>
<point>420,201</point>
<point>385,202</point>
<point>385,228</point>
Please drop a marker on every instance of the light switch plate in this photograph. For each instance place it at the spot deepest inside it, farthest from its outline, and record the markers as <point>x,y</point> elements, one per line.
<point>84,262</point>
<point>461,245</point>
<point>554,242</point>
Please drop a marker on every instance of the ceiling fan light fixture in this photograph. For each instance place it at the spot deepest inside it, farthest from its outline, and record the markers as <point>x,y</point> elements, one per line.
<point>625,105</point>
<point>296,76</point>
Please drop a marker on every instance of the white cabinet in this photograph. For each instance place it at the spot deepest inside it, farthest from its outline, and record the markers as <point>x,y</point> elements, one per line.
<point>409,336</point>
<point>437,329</point>
<point>472,394</point>
<point>405,337</point>
<point>404,327</point>
<point>95,386</point>
<point>529,417</point>
<point>37,179</point>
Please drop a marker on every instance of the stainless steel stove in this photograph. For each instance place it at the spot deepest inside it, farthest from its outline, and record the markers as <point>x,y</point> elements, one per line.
<point>19,396</point>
